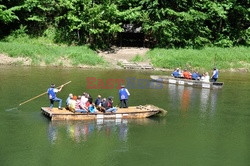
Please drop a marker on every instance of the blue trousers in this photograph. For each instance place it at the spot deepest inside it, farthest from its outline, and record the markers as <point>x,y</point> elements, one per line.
<point>57,100</point>
<point>81,110</point>
<point>113,109</point>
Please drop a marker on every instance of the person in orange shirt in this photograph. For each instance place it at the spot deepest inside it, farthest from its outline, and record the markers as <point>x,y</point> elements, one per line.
<point>187,74</point>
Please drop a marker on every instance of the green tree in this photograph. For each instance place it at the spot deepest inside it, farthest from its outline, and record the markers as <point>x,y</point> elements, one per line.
<point>168,24</point>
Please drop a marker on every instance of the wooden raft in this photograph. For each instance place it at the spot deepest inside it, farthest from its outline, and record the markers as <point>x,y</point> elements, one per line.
<point>186,82</point>
<point>134,65</point>
<point>121,113</point>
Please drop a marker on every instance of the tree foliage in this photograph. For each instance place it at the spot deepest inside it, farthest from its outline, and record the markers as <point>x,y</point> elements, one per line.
<point>168,24</point>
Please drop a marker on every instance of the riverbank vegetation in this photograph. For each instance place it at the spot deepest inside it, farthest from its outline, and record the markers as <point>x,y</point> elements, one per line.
<point>224,58</point>
<point>42,50</point>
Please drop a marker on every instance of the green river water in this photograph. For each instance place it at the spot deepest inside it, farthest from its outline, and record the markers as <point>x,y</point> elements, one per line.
<point>202,127</point>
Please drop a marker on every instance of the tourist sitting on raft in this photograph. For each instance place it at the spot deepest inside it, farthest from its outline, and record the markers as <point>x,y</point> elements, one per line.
<point>205,77</point>
<point>80,107</point>
<point>187,74</point>
<point>90,100</point>
<point>92,108</point>
<point>72,104</point>
<point>108,105</point>
<point>100,107</point>
<point>176,73</point>
<point>90,105</point>
<point>84,98</point>
<point>67,101</point>
<point>75,104</point>
<point>98,100</point>
<point>196,76</point>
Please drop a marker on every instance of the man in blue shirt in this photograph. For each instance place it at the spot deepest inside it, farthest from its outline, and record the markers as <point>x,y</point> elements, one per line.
<point>215,75</point>
<point>52,96</point>
<point>176,73</point>
<point>195,76</point>
<point>123,95</point>
<point>98,101</point>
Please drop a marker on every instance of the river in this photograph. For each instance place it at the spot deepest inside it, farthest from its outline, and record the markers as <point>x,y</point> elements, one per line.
<point>202,127</point>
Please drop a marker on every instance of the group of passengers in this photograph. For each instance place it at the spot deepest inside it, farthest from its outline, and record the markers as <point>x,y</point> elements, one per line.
<point>84,104</point>
<point>177,73</point>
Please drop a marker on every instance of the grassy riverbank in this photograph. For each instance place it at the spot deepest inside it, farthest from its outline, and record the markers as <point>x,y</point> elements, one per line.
<point>42,50</point>
<point>236,58</point>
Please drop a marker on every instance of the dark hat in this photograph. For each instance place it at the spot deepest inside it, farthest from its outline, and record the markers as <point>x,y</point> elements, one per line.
<point>110,97</point>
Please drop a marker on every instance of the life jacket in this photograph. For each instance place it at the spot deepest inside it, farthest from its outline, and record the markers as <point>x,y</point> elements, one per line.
<point>51,93</point>
<point>123,94</point>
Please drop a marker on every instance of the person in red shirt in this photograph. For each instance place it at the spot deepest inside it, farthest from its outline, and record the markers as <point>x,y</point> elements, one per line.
<point>187,74</point>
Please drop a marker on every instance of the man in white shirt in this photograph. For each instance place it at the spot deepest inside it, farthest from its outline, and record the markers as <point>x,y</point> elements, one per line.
<point>84,98</point>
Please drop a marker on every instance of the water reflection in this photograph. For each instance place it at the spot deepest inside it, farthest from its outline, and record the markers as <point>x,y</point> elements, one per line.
<point>185,99</point>
<point>79,131</point>
<point>52,133</point>
<point>208,102</point>
<point>189,98</point>
<point>204,99</point>
<point>214,97</point>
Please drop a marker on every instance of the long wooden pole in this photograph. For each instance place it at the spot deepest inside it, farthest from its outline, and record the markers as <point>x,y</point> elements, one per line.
<point>41,94</point>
